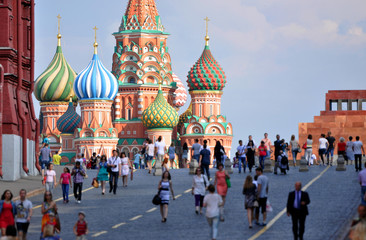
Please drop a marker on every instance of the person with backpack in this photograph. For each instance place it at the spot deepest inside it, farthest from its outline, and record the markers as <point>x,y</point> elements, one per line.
<point>282,163</point>
<point>205,160</point>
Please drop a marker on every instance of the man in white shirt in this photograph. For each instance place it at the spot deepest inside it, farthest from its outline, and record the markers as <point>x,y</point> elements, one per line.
<point>358,151</point>
<point>24,214</point>
<point>160,148</point>
<point>114,164</point>
<point>196,149</point>
<point>323,143</point>
<point>241,155</point>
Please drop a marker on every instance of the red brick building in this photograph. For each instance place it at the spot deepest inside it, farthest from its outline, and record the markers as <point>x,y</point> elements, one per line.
<point>344,116</point>
<point>19,127</point>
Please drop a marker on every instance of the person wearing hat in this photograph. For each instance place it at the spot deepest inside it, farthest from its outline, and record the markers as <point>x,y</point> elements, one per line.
<point>81,227</point>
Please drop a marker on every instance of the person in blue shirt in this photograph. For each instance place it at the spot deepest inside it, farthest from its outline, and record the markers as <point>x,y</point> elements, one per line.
<point>137,159</point>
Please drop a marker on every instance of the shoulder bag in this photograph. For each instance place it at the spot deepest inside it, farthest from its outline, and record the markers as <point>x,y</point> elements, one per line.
<point>157,199</point>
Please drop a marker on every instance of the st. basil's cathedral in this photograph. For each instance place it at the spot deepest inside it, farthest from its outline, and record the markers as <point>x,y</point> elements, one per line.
<point>138,99</point>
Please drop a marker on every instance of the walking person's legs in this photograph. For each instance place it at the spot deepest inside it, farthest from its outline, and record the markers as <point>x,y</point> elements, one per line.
<point>250,215</point>
<point>239,164</point>
<point>295,221</point>
<point>75,191</point>
<point>63,187</point>
<point>102,183</point>
<point>115,182</point>
<point>201,203</point>
<point>302,218</point>
<point>110,182</point>
<point>294,155</point>
<point>243,161</point>
<point>197,202</point>
<point>215,225</point>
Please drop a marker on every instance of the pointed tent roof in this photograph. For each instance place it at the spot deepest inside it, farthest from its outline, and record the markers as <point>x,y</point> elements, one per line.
<point>141,15</point>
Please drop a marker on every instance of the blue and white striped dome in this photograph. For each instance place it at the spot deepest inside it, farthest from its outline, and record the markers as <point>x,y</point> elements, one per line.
<point>96,82</point>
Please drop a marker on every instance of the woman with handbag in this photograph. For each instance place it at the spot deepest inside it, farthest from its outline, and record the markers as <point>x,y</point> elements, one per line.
<point>222,181</point>
<point>199,189</point>
<point>249,190</point>
<point>102,174</point>
<point>165,186</point>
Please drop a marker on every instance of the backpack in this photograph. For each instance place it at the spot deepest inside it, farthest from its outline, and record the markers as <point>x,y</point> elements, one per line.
<point>284,160</point>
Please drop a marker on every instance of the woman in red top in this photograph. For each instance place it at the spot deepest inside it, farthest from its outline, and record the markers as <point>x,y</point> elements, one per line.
<point>7,211</point>
<point>342,149</point>
<point>221,186</point>
<point>262,153</point>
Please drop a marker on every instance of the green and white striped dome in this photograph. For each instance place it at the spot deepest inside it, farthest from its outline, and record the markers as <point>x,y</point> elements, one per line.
<point>56,82</point>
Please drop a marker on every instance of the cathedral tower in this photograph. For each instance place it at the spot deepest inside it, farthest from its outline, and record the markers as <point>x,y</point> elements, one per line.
<point>141,60</point>
<point>54,88</point>
<point>96,88</point>
<point>206,81</point>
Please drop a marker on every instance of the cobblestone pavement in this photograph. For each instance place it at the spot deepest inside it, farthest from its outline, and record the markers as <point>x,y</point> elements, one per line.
<point>131,215</point>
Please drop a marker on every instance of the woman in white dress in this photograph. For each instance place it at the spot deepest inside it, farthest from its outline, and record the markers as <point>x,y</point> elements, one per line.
<point>126,165</point>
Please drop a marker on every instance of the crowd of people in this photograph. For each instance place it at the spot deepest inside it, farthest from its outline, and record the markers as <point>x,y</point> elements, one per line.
<point>351,151</point>
<point>208,193</point>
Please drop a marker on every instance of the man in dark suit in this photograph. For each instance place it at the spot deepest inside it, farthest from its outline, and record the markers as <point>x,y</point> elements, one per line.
<point>297,207</point>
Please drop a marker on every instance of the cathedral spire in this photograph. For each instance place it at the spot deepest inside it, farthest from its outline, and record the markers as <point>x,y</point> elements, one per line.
<point>141,15</point>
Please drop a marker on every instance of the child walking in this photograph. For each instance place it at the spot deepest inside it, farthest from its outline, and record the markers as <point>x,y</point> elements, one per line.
<point>50,178</point>
<point>65,181</point>
<point>81,227</point>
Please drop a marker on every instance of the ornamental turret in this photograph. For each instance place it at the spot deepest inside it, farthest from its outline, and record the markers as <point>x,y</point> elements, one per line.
<point>203,119</point>
<point>141,61</point>
<point>96,88</point>
<point>53,88</point>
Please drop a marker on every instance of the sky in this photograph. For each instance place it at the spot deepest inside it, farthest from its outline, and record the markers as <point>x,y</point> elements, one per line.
<point>280,56</point>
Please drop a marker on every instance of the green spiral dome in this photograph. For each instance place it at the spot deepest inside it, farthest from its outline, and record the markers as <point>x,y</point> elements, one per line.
<point>56,82</point>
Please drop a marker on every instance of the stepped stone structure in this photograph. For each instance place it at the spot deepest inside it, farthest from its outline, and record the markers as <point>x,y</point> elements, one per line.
<point>344,116</point>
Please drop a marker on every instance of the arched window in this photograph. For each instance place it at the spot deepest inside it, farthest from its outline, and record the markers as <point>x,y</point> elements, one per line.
<point>200,110</point>
<point>132,80</point>
<point>211,109</point>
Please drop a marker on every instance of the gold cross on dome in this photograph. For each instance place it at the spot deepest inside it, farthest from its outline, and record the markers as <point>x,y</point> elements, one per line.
<point>207,20</point>
<point>95,33</point>
<point>59,20</point>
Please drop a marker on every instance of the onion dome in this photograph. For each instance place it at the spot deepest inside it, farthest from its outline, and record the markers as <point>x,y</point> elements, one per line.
<point>69,121</point>
<point>183,118</point>
<point>206,73</point>
<point>55,83</point>
<point>180,94</point>
<point>160,114</point>
<point>95,81</point>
